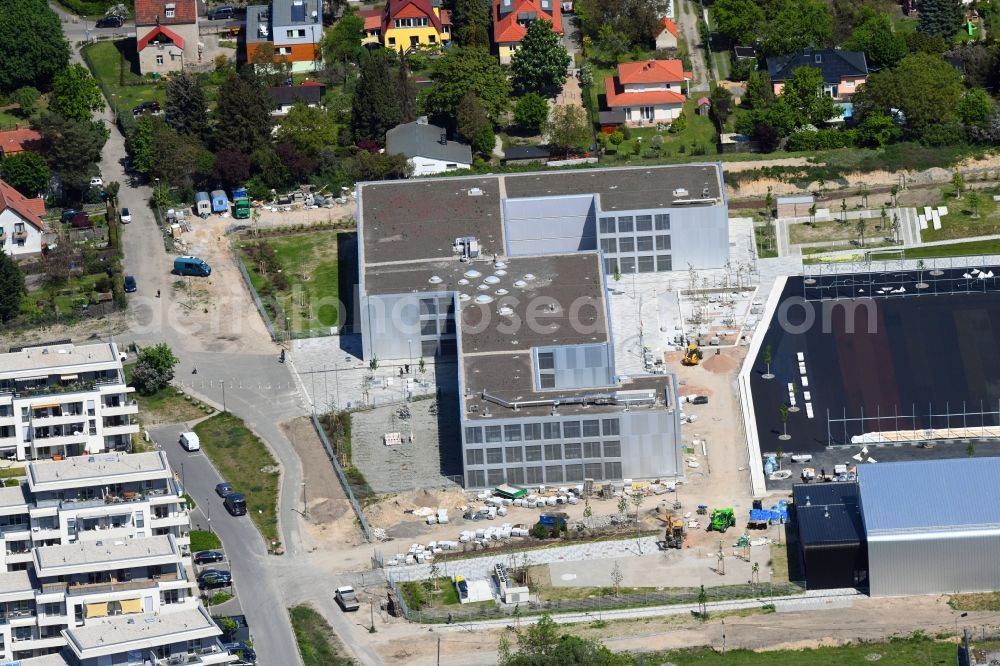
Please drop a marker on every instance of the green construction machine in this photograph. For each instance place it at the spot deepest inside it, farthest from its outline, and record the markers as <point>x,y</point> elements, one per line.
<point>722,520</point>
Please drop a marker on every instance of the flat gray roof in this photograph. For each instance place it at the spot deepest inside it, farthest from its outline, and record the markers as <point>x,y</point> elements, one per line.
<point>102,467</point>
<point>254,20</point>
<point>15,581</point>
<point>13,497</point>
<point>913,497</point>
<point>511,378</point>
<point>114,553</point>
<point>571,282</point>
<point>281,13</point>
<point>57,356</point>
<point>628,188</point>
<point>420,219</point>
<point>127,632</point>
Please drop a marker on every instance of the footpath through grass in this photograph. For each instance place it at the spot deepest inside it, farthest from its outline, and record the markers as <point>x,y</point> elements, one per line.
<point>917,650</point>
<point>244,461</point>
<point>316,639</point>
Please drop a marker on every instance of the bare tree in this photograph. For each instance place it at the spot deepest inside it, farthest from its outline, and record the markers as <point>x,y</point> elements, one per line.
<point>860,226</point>
<point>616,578</point>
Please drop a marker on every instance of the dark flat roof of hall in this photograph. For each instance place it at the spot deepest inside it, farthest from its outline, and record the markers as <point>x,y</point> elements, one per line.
<point>630,188</point>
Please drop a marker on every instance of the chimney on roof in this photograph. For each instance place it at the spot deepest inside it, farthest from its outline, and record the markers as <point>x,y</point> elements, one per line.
<point>444,139</point>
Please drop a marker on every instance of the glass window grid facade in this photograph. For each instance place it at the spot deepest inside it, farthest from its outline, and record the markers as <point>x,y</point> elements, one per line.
<point>625,252</point>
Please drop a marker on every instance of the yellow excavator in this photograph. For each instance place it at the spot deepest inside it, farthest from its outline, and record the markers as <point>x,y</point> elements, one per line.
<point>692,355</point>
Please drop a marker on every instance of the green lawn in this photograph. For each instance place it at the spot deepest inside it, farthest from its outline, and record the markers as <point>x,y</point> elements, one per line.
<point>202,540</point>
<point>105,58</point>
<point>219,598</point>
<point>970,249</point>
<point>316,639</point>
<point>244,461</point>
<point>309,270</point>
<point>912,651</point>
<point>960,223</point>
<point>698,138</point>
<point>168,405</point>
<point>417,596</point>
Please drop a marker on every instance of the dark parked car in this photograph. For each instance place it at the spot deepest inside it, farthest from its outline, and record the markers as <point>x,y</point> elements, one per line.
<point>223,489</point>
<point>223,13</point>
<point>214,578</point>
<point>68,214</point>
<point>235,504</point>
<point>130,286</point>
<point>110,22</point>
<point>699,400</point>
<point>208,557</point>
<point>146,107</point>
<point>243,651</point>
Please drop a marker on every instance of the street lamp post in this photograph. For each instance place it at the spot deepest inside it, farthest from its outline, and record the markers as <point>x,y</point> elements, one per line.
<point>409,346</point>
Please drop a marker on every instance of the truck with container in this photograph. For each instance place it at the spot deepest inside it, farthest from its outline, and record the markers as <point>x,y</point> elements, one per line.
<point>241,204</point>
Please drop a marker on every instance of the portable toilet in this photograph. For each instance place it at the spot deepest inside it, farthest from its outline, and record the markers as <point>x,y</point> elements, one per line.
<point>202,204</point>
<point>220,202</point>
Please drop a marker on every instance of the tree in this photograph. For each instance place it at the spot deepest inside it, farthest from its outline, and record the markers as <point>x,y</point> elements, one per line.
<point>760,91</point>
<point>154,369</point>
<point>405,90</point>
<point>531,111</point>
<point>342,42</point>
<point>616,578</point>
<point>71,148</point>
<point>308,128</point>
<point>271,67</point>
<point>979,63</point>
<point>976,106</point>
<point>875,37</point>
<point>174,155</point>
<point>843,211</point>
<point>793,25</point>
<point>622,505</point>
<point>243,112</point>
<point>972,198</point>
<point>610,45</point>
<point>568,129</point>
<point>375,109</point>
<point>75,94</point>
<point>942,18</point>
<point>722,104</point>
<point>878,130</point>
<point>32,47</point>
<point>471,23</point>
<point>474,124</point>
<point>186,109</point>
<point>26,172</point>
<point>803,93</point>
<point>739,20</point>
<point>958,182</point>
<point>768,358</point>
<point>11,287</point>
<point>25,98</point>
<point>924,88</point>
<point>377,166</point>
<point>783,412</point>
<point>232,167</point>
<point>860,226</point>
<point>702,604</point>
<point>921,42</point>
<point>540,62</point>
<point>460,70</point>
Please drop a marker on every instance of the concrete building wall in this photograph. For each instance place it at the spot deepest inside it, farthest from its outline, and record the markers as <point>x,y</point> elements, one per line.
<point>934,563</point>
<point>650,443</point>
<point>427,166</point>
<point>32,243</point>
<point>658,240</point>
<point>407,326</point>
<point>550,225</point>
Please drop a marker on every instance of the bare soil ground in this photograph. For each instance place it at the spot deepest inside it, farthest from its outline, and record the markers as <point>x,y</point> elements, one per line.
<point>329,519</point>
<point>88,329</point>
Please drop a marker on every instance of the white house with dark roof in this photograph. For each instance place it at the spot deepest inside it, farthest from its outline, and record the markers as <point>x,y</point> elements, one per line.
<point>427,148</point>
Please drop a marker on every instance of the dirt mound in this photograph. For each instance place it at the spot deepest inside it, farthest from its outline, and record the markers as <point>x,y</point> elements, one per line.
<point>720,364</point>
<point>694,390</point>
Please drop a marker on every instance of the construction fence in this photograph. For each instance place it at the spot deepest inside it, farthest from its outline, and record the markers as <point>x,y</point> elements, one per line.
<point>594,605</point>
<point>365,528</point>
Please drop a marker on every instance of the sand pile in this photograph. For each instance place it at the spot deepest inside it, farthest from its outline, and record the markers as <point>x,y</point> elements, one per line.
<point>720,364</point>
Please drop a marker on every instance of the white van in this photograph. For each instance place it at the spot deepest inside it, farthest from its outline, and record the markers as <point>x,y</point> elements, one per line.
<point>190,441</point>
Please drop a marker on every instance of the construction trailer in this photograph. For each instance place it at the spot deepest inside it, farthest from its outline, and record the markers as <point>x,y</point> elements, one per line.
<point>831,545</point>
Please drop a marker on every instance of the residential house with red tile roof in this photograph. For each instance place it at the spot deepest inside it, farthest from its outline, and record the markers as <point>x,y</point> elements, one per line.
<point>408,24</point>
<point>512,17</point>
<point>648,92</point>
<point>166,35</point>
<point>17,140</point>
<point>21,226</point>
<point>667,39</point>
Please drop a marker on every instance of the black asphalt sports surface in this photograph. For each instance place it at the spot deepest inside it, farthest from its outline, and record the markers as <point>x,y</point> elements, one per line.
<point>876,344</point>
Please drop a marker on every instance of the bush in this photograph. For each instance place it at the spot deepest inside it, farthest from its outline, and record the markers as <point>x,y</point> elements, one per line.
<point>824,139</point>
<point>531,111</point>
<point>540,531</point>
<point>616,138</point>
<point>944,134</point>
<point>147,379</point>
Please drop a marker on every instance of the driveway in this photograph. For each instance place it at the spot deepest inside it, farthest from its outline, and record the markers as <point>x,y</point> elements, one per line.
<point>687,21</point>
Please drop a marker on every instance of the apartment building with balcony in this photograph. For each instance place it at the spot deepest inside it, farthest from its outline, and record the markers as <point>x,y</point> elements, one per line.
<point>96,545</point>
<point>63,400</point>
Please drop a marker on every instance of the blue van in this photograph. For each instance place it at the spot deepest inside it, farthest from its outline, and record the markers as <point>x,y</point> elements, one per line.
<point>192,266</point>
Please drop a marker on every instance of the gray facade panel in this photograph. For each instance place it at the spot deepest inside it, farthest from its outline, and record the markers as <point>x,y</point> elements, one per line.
<point>550,225</point>
<point>577,366</point>
<point>698,236</point>
<point>934,564</point>
<point>395,327</point>
<point>650,444</point>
